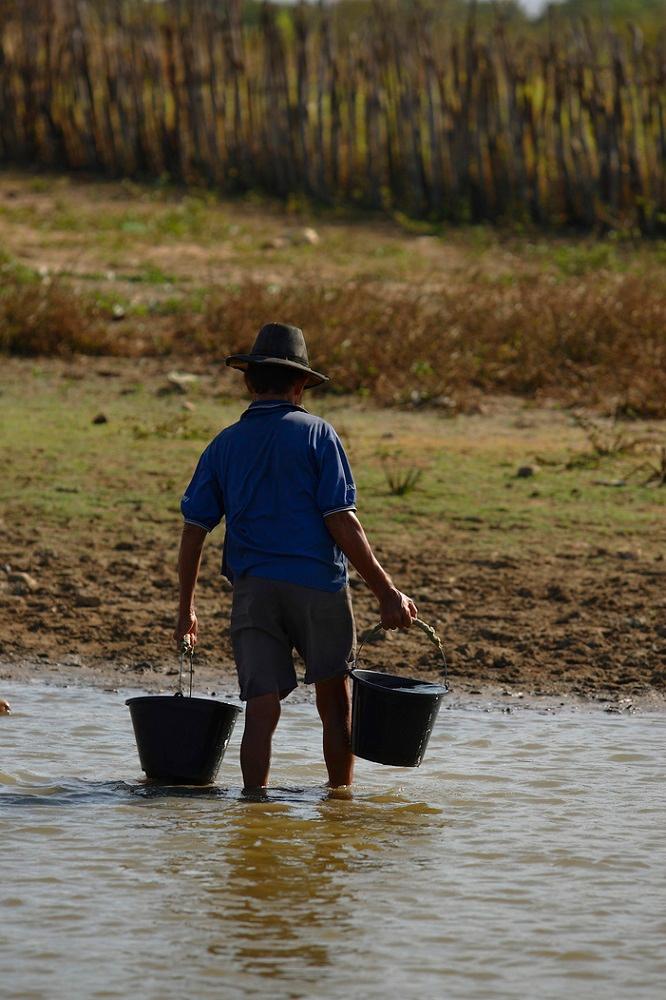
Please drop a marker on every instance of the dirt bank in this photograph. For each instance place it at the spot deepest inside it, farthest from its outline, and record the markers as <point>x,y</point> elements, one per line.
<point>551,585</point>
<point>581,624</point>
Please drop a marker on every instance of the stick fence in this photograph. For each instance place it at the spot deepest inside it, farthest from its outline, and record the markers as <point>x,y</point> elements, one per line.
<point>406,113</point>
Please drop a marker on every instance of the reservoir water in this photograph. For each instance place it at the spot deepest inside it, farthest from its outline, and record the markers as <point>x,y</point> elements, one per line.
<point>525,858</point>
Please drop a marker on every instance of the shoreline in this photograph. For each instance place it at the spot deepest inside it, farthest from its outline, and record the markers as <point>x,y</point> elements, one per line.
<point>463,694</point>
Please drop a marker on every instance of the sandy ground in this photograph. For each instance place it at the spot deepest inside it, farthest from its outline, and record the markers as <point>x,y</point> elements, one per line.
<point>569,621</point>
<point>564,628</point>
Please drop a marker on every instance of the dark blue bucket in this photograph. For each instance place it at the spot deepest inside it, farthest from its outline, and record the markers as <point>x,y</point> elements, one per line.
<point>181,741</point>
<point>392,717</point>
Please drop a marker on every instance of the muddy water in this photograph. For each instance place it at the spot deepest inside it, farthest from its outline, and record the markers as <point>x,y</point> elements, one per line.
<point>524,858</point>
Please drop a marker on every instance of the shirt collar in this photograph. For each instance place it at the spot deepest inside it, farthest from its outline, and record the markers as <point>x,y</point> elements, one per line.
<point>272,404</point>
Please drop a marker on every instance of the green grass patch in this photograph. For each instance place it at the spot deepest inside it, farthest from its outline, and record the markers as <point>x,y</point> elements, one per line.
<point>66,471</point>
<point>12,272</point>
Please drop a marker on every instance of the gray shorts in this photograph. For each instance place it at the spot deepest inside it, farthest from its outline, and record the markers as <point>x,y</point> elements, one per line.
<point>271,618</point>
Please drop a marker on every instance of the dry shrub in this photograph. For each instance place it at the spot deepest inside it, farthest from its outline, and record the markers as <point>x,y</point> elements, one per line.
<point>49,319</point>
<point>586,340</point>
<point>592,340</point>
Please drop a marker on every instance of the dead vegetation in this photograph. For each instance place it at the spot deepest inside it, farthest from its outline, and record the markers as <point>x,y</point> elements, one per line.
<point>593,341</point>
<point>654,466</point>
<point>606,440</point>
<point>46,318</point>
<point>612,440</point>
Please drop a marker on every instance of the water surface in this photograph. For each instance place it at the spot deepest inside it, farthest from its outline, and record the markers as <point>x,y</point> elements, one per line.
<point>524,858</point>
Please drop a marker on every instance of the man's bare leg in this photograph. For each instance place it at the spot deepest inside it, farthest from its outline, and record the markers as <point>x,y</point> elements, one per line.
<point>261,718</point>
<point>334,707</point>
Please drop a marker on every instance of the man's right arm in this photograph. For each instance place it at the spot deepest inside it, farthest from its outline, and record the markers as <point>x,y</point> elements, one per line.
<point>395,608</point>
<point>189,560</point>
<point>202,506</point>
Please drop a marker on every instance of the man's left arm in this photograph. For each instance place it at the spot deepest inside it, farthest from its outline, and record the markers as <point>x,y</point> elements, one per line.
<point>189,561</point>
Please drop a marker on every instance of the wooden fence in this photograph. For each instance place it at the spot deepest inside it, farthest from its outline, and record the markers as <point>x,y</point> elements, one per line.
<point>441,122</point>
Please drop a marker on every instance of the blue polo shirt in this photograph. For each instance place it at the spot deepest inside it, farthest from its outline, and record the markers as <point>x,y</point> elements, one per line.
<point>274,476</point>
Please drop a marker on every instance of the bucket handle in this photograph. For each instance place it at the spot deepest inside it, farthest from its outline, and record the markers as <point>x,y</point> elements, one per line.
<point>427,629</point>
<point>186,653</point>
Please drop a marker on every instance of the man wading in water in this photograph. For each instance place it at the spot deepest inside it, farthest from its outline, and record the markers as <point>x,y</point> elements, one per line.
<point>282,481</point>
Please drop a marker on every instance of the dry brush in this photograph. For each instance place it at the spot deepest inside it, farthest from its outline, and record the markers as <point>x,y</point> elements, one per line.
<point>590,340</point>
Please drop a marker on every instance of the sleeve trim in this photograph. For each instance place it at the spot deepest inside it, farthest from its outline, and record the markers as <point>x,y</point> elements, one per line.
<point>198,524</point>
<point>337,510</point>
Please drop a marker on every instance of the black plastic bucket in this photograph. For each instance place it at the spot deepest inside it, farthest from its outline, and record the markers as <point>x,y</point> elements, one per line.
<point>181,741</point>
<point>392,717</point>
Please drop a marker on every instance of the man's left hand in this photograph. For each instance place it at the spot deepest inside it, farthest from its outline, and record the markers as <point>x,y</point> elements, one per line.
<point>397,610</point>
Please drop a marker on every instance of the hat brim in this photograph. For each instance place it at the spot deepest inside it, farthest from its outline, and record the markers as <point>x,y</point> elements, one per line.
<point>241,362</point>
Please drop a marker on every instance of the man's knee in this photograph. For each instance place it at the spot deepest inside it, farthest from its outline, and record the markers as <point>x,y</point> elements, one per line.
<point>263,711</point>
<point>333,698</point>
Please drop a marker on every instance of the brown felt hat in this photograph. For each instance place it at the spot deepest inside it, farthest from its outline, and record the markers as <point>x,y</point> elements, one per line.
<point>279,344</point>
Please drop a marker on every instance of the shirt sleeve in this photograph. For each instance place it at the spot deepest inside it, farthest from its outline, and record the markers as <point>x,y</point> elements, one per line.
<point>336,489</point>
<point>202,503</point>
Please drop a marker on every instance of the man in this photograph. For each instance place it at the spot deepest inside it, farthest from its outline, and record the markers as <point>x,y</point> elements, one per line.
<point>282,481</point>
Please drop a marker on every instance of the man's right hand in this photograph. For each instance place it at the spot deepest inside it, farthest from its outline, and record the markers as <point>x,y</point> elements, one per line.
<point>396,610</point>
<point>186,625</point>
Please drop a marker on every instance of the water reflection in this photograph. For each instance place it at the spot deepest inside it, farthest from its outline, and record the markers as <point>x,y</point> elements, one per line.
<point>278,881</point>
<point>285,887</point>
